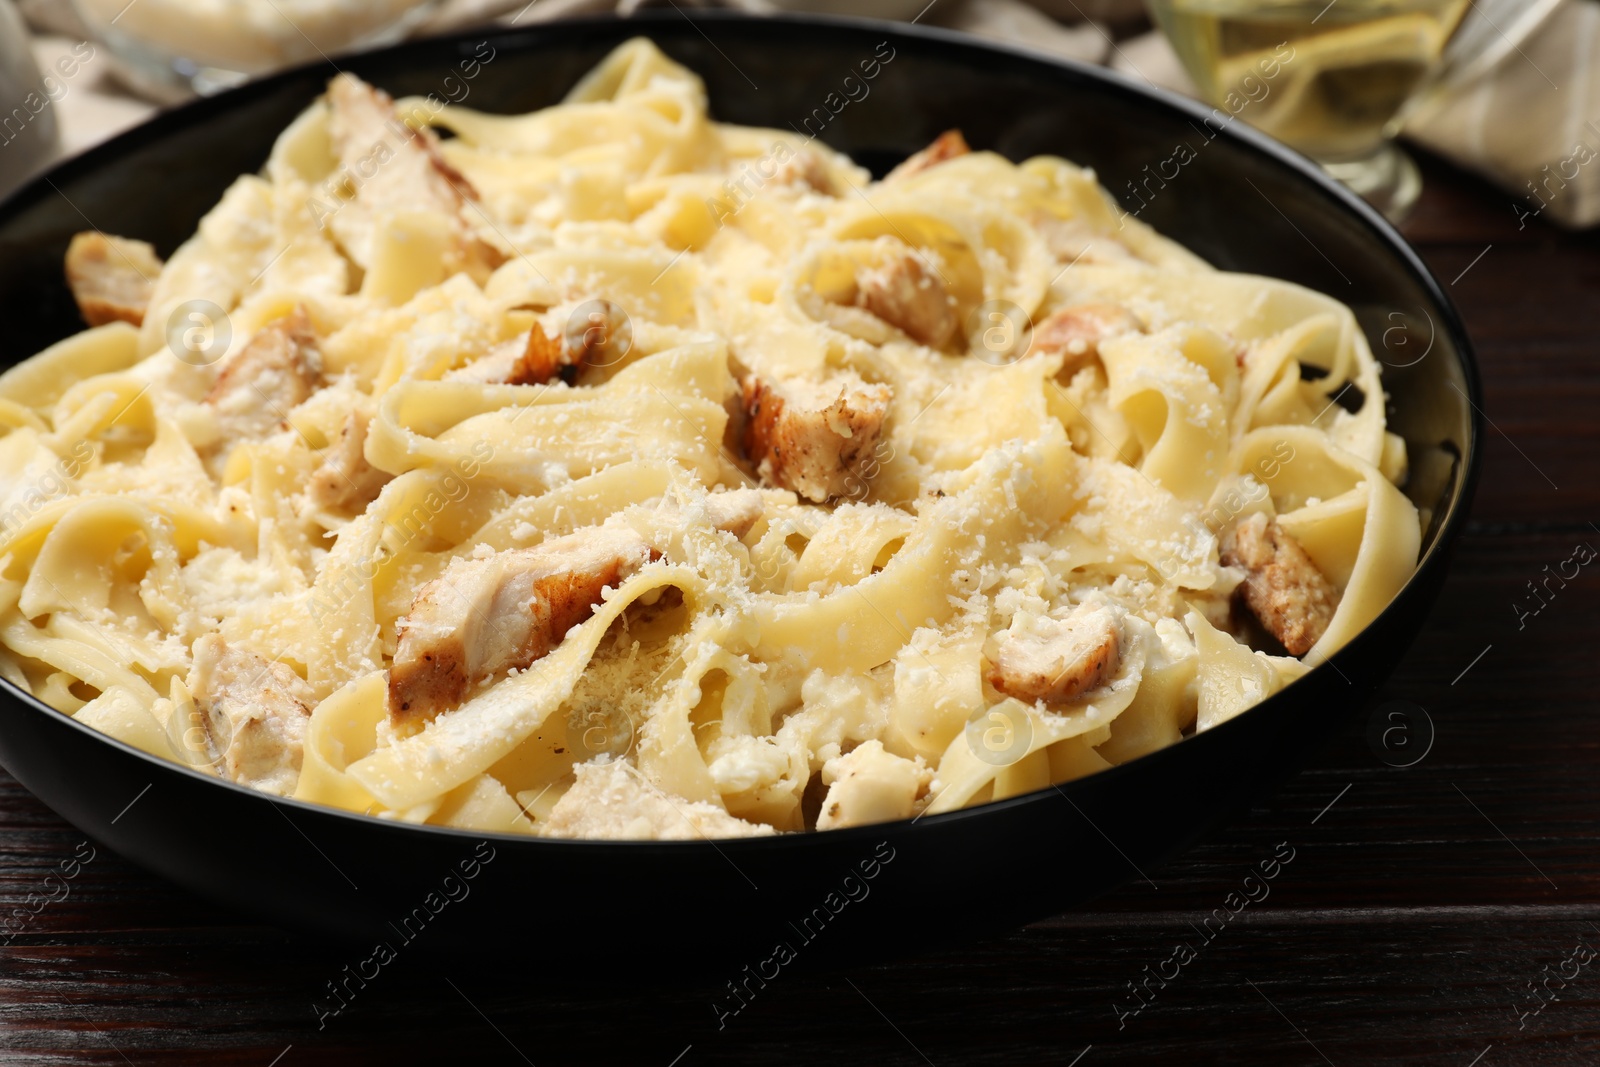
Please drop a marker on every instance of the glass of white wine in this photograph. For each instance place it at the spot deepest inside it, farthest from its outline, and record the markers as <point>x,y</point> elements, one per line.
<point>1336,79</point>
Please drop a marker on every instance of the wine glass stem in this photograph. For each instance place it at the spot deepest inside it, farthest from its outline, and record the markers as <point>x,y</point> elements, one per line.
<point>1387,179</point>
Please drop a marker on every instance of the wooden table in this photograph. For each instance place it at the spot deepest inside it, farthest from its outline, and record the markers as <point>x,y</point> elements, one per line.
<point>1422,907</point>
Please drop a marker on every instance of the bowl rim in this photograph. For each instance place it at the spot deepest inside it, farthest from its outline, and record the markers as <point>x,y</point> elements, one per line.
<point>939,41</point>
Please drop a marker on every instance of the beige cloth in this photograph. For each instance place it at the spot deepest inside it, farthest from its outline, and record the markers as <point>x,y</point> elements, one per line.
<point>1531,124</point>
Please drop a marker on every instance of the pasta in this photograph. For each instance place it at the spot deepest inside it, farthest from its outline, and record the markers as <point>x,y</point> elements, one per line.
<point>609,472</point>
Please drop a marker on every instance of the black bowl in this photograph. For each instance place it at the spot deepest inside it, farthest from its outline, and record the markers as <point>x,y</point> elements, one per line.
<point>1243,202</point>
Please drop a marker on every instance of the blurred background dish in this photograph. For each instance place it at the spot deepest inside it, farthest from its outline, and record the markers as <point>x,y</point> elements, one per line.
<point>168,49</point>
<point>1500,87</point>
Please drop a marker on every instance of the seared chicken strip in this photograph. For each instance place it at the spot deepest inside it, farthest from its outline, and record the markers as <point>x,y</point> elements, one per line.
<point>393,168</point>
<point>502,366</point>
<point>260,384</point>
<point>735,511</point>
<point>805,168</point>
<point>1076,332</point>
<point>909,295</point>
<point>253,714</point>
<point>1282,586</point>
<point>346,481</point>
<point>870,785</point>
<point>1057,660</point>
<point>599,338</point>
<point>1075,240</point>
<point>487,616</point>
<point>945,147</point>
<point>816,439</point>
<point>530,362</point>
<point>111,277</point>
<point>483,617</point>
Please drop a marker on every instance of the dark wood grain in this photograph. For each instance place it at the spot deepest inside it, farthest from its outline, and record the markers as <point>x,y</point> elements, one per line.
<point>1419,905</point>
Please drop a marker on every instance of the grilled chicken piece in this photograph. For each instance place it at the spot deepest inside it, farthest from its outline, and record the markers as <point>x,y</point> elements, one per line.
<point>597,339</point>
<point>346,481</point>
<point>111,277</point>
<point>530,362</point>
<point>1057,660</point>
<point>253,714</point>
<point>869,785</point>
<point>907,294</point>
<point>1282,586</point>
<point>945,147</point>
<point>735,511</point>
<point>805,168</point>
<point>365,126</point>
<point>502,366</point>
<point>815,439</point>
<point>1075,240</point>
<point>614,802</point>
<point>266,379</point>
<point>487,616</point>
<point>393,168</point>
<point>1076,332</point>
